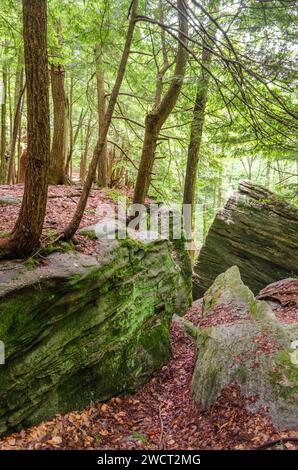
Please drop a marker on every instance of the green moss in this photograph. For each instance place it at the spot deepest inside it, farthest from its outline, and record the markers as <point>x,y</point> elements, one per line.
<point>139,437</point>
<point>89,234</point>
<point>115,195</point>
<point>286,375</point>
<point>3,234</point>
<point>88,336</point>
<point>31,262</point>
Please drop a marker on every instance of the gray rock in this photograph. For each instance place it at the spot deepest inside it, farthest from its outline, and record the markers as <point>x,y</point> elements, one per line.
<point>81,328</point>
<point>255,231</point>
<point>10,200</point>
<point>259,353</point>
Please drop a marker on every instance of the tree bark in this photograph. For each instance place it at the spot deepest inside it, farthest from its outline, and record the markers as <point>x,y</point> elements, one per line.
<point>73,135</point>
<point>197,126</point>
<point>84,157</point>
<point>102,170</point>
<point>159,114</point>
<point>60,134</point>
<point>25,237</point>
<point>18,107</point>
<point>99,148</point>
<point>3,141</point>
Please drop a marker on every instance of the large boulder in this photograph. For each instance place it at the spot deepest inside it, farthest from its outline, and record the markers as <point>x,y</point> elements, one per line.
<point>80,328</point>
<point>249,346</point>
<point>255,231</point>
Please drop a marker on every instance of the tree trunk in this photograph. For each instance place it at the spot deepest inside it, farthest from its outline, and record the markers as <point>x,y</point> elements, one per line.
<point>18,107</point>
<point>3,141</point>
<point>99,148</point>
<point>197,126</point>
<point>84,157</point>
<point>25,237</point>
<point>268,174</point>
<point>19,147</point>
<point>157,117</point>
<point>60,134</point>
<point>102,170</point>
<point>73,136</point>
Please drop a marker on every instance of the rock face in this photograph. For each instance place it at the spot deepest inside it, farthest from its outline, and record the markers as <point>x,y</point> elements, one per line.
<point>80,328</point>
<point>10,200</point>
<point>257,232</point>
<point>255,350</point>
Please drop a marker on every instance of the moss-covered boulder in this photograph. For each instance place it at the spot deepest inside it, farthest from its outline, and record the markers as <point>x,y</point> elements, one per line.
<point>256,231</point>
<point>80,328</point>
<point>257,351</point>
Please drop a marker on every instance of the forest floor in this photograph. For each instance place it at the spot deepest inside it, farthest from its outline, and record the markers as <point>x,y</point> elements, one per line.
<point>162,415</point>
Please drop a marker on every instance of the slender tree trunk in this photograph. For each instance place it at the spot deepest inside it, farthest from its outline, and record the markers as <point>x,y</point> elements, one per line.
<point>73,136</point>
<point>84,157</point>
<point>26,234</point>
<point>19,147</point>
<point>205,217</point>
<point>99,148</point>
<point>249,164</point>
<point>268,174</point>
<point>60,134</point>
<point>102,170</point>
<point>157,117</point>
<point>18,107</point>
<point>3,141</point>
<point>279,171</point>
<point>197,126</point>
<point>219,193</point>
<point>70,128</point>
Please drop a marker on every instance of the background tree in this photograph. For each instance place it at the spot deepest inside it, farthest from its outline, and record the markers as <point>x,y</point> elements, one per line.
<point>162,109</point>
<point>26,234</point>
<point>100,145</point>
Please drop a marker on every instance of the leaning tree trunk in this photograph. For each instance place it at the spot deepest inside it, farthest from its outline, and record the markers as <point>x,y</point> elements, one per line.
<point>100,146</point>
<point>26,234</point>
<point>102,175</point>
<point>196,131</point>
<point>157,117</point>
<point>60,134</point>
<point>85,147</point>
<point>197,124</point>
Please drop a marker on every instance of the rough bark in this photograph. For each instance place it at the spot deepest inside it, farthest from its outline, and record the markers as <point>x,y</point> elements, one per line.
<point>102,170</point>
<point>26,233</point>
<point>197,124</point>
<point>159,114</point>
<point>3,141</point>
<point>84,157</point>
<point>60,134</point>
<point>99,148</point>
<point>73,137</point>
<point>18,107</point>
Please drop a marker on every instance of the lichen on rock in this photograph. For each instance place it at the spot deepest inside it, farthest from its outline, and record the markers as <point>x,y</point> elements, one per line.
<point>80,328</point>
<point>256,351</point>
